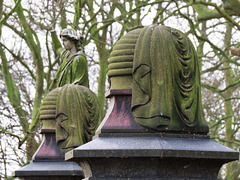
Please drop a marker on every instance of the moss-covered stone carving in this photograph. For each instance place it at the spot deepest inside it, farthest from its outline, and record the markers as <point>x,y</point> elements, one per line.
<point>73,68</point>
<point>121,61</point>
<point>73,112</point>
<point>165,79</point>
<point>48,110</point>
<point>77,116</point>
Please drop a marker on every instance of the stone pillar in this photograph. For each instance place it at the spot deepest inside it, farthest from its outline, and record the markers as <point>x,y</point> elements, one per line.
<point>48,161</point>
<point>154,128</point>
<point>123,150</point>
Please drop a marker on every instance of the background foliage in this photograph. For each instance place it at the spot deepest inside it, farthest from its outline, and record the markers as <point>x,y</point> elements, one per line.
<point>28,61</point>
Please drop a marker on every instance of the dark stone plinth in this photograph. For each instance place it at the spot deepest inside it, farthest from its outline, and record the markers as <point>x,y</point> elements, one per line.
<point>60,170</point>
<point>151,156</point>
<point>48,150</point>
<point>119,118</point>
<point>48,163</point>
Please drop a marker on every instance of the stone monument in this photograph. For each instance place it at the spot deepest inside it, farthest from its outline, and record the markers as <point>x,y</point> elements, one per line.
<point>73,68</point>
<point>154,128</point>
<point>69,116</point>
<point>48,161</point>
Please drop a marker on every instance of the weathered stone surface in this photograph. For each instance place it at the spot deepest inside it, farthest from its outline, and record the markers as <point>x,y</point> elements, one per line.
<point>48,150</point>
<point>73,111</point>
<point>160,65</point>
<point>73,68</point>
<point>48,163</point>
<point>153,145</point>
<point>48,110</point>
<point>50,171</point>
<point>151,156</point>
<point>119,118</point>
<point>154,128</point>
<point>77,116</point>
<point>69,115</point>
<point>69,108</point>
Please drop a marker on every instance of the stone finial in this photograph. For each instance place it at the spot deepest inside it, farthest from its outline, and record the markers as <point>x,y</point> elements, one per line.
<point>161,67</point>
<point>73,112</point>
<point>77,116</point>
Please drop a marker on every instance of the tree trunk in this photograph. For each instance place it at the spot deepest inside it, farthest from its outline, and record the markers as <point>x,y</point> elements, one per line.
<point>228,73</point>
<point>33,43</point>
<point>103,57</point>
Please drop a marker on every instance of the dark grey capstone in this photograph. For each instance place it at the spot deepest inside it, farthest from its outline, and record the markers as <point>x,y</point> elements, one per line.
<point>151,157</point>
<point>59,170</point>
